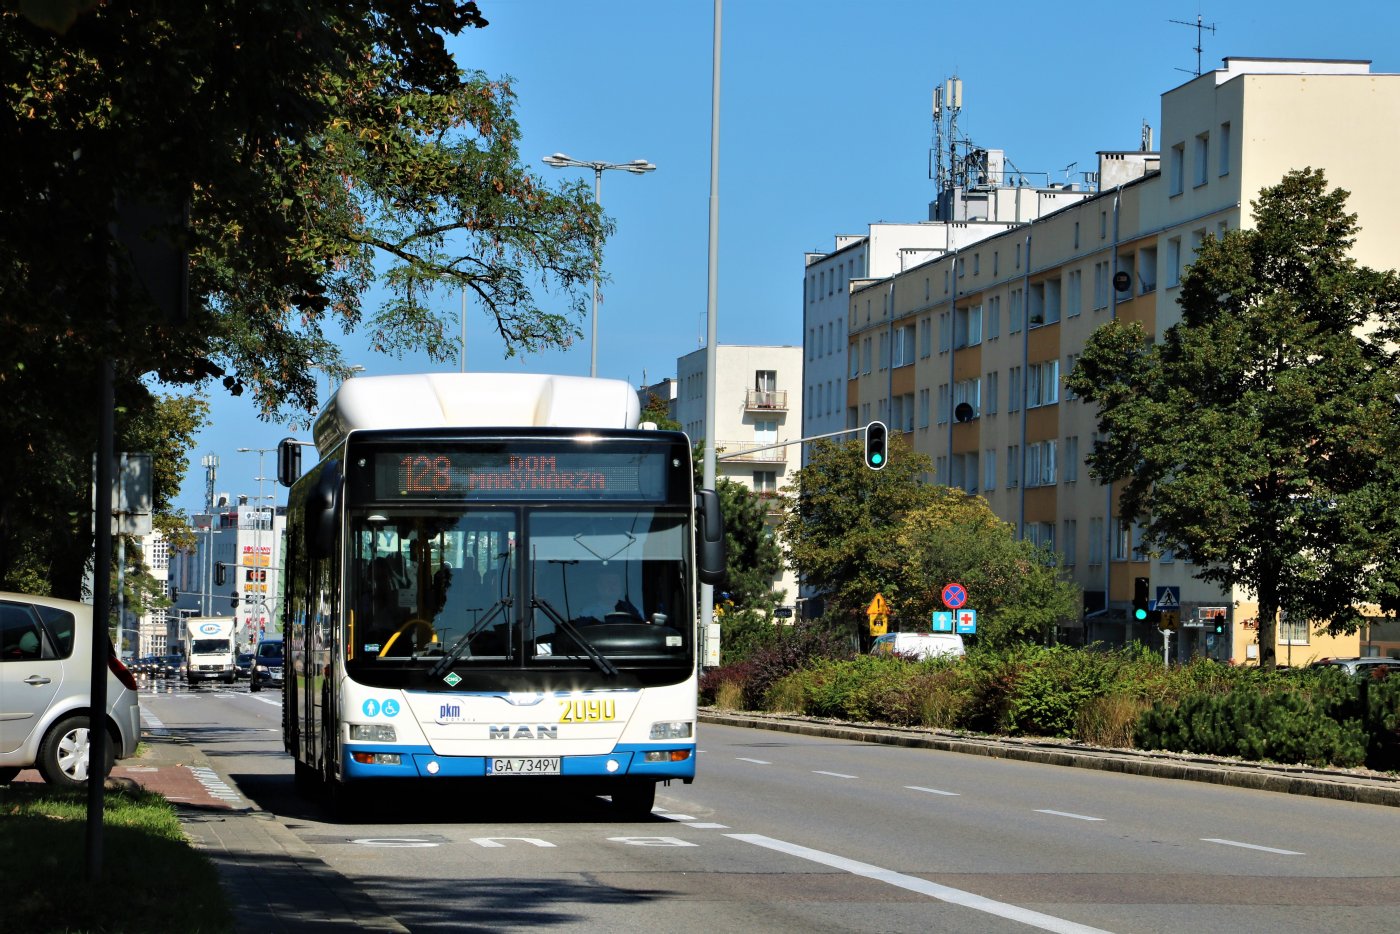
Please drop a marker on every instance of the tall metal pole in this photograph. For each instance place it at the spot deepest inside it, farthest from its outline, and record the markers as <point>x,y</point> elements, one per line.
<point>101,604</point>
<point>593,339</point>
<point>707,591</point>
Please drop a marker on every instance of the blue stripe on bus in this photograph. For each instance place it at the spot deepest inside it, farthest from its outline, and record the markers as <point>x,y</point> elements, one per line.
<point>415,759</point>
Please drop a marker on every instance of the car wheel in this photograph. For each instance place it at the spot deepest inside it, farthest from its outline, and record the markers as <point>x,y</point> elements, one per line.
<point>64,753</point>
<point>7,774</point>
<point>253,685</point>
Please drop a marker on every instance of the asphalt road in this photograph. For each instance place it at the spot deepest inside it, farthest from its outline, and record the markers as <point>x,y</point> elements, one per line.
<point>784,832</point>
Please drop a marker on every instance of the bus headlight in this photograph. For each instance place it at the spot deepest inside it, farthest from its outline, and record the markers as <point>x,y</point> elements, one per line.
<point>672,729</point>
<point>372,733</point>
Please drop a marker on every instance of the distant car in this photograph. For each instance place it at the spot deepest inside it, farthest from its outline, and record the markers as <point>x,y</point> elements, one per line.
<point>170,666</point>
<point>919,645</point>
<point>267,664</point>
<point>46,687</point>
<point>245,664</point>
<point>1366,665</point>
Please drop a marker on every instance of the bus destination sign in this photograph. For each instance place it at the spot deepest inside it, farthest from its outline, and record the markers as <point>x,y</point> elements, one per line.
<point>595,475</point>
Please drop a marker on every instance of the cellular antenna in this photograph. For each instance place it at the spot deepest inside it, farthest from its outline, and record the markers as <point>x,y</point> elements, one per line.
<point>1200,28</point>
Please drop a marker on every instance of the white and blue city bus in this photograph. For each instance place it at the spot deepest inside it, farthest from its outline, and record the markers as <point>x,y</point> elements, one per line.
<point>444,561</point>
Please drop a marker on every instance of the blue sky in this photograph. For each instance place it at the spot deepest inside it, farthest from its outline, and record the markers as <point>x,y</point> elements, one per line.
<point>825,127</point>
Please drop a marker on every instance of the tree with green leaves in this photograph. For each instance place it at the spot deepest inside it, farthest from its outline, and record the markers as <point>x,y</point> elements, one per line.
<point>842,519</point>
<point>1018,589</point>
<point>1258,437</point>
<point>752,558</point>
<point>295,154</point>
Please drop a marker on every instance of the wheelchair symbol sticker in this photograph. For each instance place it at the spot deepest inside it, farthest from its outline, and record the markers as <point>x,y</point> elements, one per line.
<point>391,708</point>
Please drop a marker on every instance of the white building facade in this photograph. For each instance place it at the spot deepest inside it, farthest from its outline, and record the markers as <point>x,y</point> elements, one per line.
<point>758,405</point>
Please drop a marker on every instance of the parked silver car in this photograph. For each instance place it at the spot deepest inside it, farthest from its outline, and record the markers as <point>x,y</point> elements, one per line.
<point>1360,666</point>
<point>45,690</point>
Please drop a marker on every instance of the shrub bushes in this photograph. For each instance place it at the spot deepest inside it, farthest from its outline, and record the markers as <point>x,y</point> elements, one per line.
<point>1123,697</point>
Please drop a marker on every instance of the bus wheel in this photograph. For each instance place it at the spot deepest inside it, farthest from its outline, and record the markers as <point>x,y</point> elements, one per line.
<point>635,799</point>
<point>305,779</point>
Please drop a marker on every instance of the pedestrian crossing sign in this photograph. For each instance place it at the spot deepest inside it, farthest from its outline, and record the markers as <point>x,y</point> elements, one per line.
<point>1168,598</point>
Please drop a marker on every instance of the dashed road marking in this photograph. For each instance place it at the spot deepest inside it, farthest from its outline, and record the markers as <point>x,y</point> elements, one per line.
<point>1066,814</point>
<point>833,774</point>
<point>1252,846</point>
<point>933,791</point>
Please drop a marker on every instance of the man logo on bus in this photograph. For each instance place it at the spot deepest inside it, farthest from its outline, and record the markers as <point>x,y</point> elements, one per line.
<point>524,732</point>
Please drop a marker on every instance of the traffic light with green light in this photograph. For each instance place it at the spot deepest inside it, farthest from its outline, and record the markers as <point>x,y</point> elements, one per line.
<point>876,445</point>
<point>1140,599</point>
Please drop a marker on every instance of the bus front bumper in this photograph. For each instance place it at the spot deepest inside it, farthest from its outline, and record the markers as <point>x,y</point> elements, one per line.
<point>368,760</point>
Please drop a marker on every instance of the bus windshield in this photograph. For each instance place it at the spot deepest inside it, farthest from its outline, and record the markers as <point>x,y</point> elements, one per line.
<point>440,588</point>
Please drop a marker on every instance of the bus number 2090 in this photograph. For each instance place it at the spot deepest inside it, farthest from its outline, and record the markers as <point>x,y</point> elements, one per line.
<point>587,711</point>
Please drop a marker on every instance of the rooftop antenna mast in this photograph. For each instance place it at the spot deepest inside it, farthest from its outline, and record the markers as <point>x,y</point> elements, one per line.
<point>1200,28</point>
<point>947,102</point>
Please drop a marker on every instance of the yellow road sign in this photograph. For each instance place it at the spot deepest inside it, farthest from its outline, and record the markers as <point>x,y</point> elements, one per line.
<point>878,606</point>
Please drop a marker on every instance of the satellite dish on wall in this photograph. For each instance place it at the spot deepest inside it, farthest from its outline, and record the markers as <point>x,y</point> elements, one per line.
<point>1122,281</point>
<point>963,412</point>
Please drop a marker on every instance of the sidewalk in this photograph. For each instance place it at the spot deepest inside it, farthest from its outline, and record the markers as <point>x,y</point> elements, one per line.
<point>274,882</point>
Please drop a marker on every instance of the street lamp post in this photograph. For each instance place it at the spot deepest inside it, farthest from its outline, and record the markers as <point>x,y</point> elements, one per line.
<point>636,167</point>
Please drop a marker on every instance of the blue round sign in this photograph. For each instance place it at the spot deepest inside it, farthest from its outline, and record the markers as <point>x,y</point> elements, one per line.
<point>954,596</point>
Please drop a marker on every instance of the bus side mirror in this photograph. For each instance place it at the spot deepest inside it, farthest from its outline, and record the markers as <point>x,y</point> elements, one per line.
<point>288,461</point>
<point>322,513</point>
<point>709,537</point>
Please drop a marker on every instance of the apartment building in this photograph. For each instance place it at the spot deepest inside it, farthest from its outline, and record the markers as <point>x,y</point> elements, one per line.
<point>1000,322</point>
<point>983,202</point>
<point>758,405</point>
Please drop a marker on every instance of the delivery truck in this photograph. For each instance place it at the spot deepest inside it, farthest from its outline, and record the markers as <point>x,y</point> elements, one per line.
<point>212,655</point>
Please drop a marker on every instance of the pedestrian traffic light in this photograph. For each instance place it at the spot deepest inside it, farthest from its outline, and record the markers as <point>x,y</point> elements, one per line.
<point>1140,599</point>
<point>233,599</point>
<point>219,575</point>
<point>876,445</point>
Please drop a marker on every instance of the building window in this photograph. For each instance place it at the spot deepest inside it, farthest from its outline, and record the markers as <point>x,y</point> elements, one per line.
<point>968,391</point>
<point>996,262</point>
<point>1101,286</point>
<point>1040,464</point>
<point>923,408</point>
<point>993,321</point>
<point>1076,235</point>
<point>1201,157</point>
<point>765,482</point>
<point>1013,396</point>
<point>1292,631</point>
<point>1103,225</point>
<point>765,431</point>
<point>1067,542</point>
<point>1176,170</point>
<point>1072,459</point>
<point>989,398</point>
<point>945,338</point>
<point>1147,269</point>
<point>1095,541</point>
<point>1017,312</point>
<point>1070,361</point>
<point>942,414</point>
<point>1173,262</point>
<point>904,345</point>
<point>1074,297</point>
<point>1013,466</point>
<point>1222,149</point>
<point>925,338</point>
<point>967,326</point>
<point>1042,383</point>
<point>989,470</point>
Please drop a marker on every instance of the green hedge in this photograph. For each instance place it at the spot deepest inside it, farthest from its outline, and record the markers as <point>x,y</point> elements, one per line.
<point>1122,697</point>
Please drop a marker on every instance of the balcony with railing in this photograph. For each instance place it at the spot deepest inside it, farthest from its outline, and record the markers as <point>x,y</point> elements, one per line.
<point>743,452</point>
<point>766,400</point>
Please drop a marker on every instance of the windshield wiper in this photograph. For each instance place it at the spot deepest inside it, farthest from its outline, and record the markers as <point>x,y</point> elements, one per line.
<point>461,646</point>
<point>569,629</point>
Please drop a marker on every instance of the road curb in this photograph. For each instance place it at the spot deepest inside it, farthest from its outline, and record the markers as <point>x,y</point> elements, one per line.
<point>1294,780</point>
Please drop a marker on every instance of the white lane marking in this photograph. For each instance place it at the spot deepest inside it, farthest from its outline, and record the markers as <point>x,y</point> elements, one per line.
<point>1066,814</point>
<point>703,825</point>
<point>1252,846</point>
<point>669,816</point>
<point>833,774</point>
<point>274,701</point>
<point>934,791</point>
<point>922,886</point>
<point>754,761</point>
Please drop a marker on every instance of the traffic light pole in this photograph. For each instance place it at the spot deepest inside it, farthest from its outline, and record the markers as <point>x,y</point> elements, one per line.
<point>782,444</point>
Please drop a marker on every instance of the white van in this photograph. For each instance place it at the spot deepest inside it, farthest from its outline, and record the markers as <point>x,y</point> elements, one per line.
<point>919,645</point>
